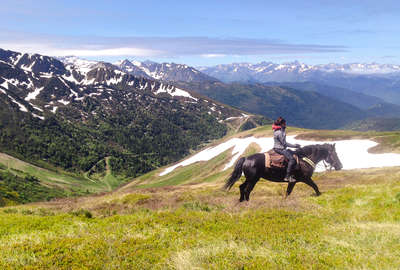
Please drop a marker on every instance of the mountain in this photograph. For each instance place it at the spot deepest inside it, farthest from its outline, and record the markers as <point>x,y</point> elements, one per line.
<point>377,80</point>
<point>168,72</point>
<point>373,106</point>
<point>294,71</point>
<point>357,99</point>
<point>71,114</point>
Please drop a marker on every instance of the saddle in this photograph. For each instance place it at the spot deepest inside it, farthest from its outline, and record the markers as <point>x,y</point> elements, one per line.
<point>273,159</point>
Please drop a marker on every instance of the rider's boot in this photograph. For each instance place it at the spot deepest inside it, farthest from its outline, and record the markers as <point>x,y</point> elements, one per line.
<point>289,179</point>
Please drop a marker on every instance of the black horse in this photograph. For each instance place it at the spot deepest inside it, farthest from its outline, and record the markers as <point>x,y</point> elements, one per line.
<point>254,168</point>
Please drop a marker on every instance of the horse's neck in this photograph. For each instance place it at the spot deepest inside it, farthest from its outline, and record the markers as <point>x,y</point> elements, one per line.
<point>316,156</point>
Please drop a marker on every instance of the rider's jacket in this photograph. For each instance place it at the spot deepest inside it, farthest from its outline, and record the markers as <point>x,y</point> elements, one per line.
<point>280,138</point>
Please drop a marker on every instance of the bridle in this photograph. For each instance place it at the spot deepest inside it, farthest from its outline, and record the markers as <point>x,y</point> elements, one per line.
<point>328,167</point>
<point>332,162</point>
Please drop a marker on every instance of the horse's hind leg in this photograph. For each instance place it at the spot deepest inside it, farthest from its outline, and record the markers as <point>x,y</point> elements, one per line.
<point>253,181</point>
<point>242,188</point>
<point>312,184</point>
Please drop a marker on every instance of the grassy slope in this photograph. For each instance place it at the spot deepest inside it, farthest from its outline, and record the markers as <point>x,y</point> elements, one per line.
<point>57,179</point>
<point>185,221</point>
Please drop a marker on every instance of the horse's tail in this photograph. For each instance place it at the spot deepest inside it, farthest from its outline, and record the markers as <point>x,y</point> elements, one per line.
<point>237,172</point>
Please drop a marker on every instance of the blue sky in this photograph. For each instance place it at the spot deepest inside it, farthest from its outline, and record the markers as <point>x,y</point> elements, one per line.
<point>206,32</point>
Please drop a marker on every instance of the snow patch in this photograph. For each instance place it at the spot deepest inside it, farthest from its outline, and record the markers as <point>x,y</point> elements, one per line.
<point>70,78</point>
<point>36,107</point>
<point>65,102</point>
<point>33,95</point>
<point>173,91</point>
<point>345,149</point>
<point>38,116</point>
<point>5,85</point>
<point>114,80</point>
<point>21,107</point>
<point>81,65</point>
<point>46,75</point>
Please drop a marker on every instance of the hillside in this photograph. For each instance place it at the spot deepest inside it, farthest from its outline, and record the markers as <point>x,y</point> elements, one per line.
<point>377,124</point>
<point>357,99</point>
<point>300,108</point>
<point>184,220</point>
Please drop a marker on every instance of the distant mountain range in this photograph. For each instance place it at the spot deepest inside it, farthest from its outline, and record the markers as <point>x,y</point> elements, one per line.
<point>379,80</point>
<point>369,80</point>
<point>294,71</point>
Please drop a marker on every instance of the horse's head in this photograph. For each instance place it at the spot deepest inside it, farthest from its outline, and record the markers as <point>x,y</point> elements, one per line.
<point>332,157</point>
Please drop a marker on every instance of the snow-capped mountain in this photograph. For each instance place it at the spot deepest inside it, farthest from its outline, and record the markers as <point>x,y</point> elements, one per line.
<point>40,84</point>
<point>294,71</point>
<point>168,72</point>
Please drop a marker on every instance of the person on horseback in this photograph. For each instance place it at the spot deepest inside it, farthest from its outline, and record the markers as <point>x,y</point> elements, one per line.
<point>280,146</point>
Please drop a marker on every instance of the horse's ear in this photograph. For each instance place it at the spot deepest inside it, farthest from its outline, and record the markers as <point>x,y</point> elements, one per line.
<point>334,145</point>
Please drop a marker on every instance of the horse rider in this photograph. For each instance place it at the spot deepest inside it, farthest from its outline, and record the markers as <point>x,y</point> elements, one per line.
<point>280,146</point>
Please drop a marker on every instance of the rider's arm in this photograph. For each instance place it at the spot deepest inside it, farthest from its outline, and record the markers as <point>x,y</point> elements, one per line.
<point>292,145</point>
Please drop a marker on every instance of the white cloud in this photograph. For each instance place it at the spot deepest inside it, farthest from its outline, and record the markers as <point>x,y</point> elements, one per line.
<point>54,51</point>
<point>205,47</point>
<point>210,55</point>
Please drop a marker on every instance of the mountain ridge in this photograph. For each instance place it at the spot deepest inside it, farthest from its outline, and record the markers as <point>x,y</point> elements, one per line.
<point>380,80</point>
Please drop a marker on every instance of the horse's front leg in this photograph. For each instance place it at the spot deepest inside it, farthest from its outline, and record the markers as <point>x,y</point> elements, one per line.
<point>312,184</point>
<point>290,188</point>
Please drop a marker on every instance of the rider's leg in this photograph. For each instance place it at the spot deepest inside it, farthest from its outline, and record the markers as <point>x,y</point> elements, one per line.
<point>290,166</point>
<point>289,155</point>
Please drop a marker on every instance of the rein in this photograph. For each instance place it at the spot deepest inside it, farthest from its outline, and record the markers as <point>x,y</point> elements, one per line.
<point>309,162</point>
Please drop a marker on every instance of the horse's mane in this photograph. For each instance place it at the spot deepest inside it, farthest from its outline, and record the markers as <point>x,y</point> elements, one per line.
<point>309,149</point>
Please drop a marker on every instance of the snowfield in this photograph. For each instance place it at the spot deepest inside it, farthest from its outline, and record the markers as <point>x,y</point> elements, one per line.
<point>352,153</point>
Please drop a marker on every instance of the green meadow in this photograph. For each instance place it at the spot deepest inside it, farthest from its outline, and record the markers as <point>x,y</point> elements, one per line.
<point>57,178</point>
<point>184,220</point>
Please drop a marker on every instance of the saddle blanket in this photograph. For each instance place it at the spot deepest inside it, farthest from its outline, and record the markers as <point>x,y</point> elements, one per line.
<point>273,159</point>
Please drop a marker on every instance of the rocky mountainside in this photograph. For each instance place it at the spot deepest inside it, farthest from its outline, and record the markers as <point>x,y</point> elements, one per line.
<point>71,114</point>
<point>168,72</point>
